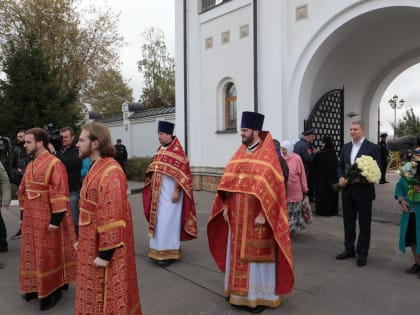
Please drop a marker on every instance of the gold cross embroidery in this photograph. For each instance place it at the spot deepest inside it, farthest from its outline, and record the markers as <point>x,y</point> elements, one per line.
<point>241,176</point>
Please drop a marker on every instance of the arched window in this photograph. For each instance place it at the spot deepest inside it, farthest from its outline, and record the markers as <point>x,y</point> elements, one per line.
<point>230,106</point>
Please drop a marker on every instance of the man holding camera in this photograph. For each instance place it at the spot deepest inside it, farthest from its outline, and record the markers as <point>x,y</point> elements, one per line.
<point>69,155</point>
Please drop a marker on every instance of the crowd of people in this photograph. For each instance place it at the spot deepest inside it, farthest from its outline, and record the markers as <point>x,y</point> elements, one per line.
<point>73,230</point>
<point>76,221</point>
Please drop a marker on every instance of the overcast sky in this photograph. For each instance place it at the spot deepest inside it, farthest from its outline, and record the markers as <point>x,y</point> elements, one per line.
<point>137,15</point>
<point>407,87</point>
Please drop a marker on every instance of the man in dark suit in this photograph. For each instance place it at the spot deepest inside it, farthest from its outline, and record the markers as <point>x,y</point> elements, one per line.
<point>357,198</point>
<point>384,152</point>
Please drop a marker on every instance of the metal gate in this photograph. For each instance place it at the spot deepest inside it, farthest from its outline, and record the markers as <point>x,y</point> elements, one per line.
<point>327,118</point>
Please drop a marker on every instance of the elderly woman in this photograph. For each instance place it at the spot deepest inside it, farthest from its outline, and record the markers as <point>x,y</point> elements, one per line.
<point>297,186</point>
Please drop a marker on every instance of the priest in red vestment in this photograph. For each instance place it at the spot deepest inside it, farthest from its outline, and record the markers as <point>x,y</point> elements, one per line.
<point>248,230</point>
<point>47,256</point>
<point>106,275</point>
<point>168,200</point>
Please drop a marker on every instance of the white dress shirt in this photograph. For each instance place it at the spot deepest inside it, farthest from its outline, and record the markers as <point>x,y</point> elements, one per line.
<point>355,149</point>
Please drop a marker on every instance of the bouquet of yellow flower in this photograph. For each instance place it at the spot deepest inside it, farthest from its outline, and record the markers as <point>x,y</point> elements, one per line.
<point>365,170</point>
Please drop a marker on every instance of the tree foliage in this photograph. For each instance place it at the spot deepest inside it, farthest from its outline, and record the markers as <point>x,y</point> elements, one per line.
<point>108,93</point>
<point>30,94</point>
<point>158,69</point>
<point>78,43</point>
<point>408,125</point>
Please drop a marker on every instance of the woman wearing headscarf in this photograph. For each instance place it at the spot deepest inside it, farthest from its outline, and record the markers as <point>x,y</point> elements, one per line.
<point>325,164</point>
<point>297,186</point>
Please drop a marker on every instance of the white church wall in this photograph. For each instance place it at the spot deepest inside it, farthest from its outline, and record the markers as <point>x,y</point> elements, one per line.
<point>195,115</point>
<point>144,139</point>
<point>116,130</point>
<point>309,44</point>
<point>272,52</point>
<point>227,60</point>
<point>179,69</point>
<point>299,59</point>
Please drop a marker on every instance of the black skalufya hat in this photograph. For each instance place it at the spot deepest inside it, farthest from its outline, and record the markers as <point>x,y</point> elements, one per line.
<point>166,127</point>
<point>252,120</point>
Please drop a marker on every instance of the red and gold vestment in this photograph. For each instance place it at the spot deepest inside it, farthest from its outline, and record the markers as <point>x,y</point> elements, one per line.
<point>252,183</point>
<point>173,162</point>
<point>47,259</point>
<point>105,223</point>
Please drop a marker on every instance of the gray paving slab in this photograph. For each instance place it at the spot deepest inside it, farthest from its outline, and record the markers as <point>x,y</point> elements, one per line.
<point>194,285</point>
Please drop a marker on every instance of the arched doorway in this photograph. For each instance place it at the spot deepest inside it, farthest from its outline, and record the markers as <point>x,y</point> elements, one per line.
<point>361,48</point>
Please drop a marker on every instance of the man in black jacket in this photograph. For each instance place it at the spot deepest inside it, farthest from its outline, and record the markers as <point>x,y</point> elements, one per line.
<point>384,151</point>
<point>18,165</point>
<point>357,197</point>
<point>69,155</point>
<point>121,154</point>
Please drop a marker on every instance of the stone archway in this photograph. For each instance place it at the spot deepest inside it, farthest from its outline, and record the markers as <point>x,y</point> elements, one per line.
<point>360,49</point>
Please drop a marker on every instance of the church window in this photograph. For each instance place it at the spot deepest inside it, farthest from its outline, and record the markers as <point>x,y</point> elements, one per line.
<point>230,106</point>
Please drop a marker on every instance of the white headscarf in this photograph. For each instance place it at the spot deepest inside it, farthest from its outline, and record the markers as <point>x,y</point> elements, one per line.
<point>286,144</point>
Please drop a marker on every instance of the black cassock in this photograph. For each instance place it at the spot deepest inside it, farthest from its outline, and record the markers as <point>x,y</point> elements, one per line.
<point>325,166</point>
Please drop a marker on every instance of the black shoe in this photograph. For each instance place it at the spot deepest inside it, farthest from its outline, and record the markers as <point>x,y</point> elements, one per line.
<point>413,270</point>
<point>344,255</point>
<point>163,263</point>
<point>17,235</point>
<point>1,266</point>
<point>30,296</point>
<point>49,301</point>
<point>257,309</point>
<point>4,249</point>
<point>361,261</point>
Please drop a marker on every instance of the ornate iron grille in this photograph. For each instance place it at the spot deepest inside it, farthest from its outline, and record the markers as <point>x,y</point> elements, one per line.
<point>327,118</point>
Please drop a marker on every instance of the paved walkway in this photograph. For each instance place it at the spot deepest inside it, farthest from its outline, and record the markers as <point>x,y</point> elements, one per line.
<point>194,285</point>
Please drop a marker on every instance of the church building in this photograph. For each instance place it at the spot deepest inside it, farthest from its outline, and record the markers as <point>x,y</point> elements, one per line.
<point>302,63</point>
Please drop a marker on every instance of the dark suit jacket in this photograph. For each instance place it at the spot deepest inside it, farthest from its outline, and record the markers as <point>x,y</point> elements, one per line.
<point>358,191</point>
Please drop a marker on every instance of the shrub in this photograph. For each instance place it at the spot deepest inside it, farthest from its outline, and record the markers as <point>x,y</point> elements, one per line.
<point>136,168</point>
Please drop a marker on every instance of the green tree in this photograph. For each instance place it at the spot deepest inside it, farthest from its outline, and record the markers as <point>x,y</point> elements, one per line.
<point>78,43</point>
<point>408,125</point>
<point>31,94</point>
<point>109,92</point>
<point>158,69</point>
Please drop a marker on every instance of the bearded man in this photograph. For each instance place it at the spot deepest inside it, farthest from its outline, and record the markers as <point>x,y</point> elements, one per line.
<point>106,274</point>
<point>248,230</point>
<point>47,256</point>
